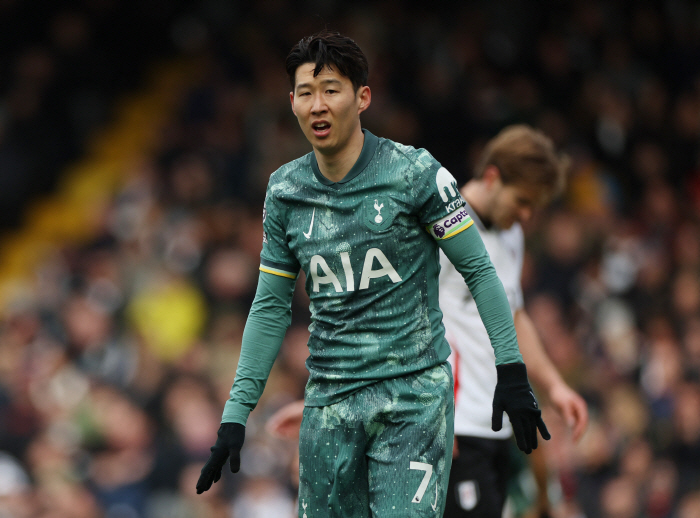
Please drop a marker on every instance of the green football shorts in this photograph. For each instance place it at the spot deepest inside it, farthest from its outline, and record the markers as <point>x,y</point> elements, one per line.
<point>385,451</point>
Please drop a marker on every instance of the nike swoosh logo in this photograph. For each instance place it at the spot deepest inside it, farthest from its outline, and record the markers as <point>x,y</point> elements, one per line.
<point>307,236</point>
<point>434,506</point>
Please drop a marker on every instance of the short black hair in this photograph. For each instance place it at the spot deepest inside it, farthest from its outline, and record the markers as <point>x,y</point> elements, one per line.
<point>329,49</point>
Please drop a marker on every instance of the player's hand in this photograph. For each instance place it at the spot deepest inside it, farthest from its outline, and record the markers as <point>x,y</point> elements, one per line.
<point>285,423</point>
<point>228,444</point>
<point>571,407</point>
<point>514,396</point>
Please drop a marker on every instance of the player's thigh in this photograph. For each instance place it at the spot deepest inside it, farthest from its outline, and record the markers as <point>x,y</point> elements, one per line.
<point>478,479</point>
<point>333,480</point>
<point>410,445</point>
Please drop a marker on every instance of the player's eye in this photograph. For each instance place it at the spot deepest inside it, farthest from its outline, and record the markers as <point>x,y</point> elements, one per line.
<point>331,91</point>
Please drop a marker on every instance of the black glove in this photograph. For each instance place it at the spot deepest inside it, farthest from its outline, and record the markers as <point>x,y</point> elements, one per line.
<point>228,443</point>
<point>514,395</point>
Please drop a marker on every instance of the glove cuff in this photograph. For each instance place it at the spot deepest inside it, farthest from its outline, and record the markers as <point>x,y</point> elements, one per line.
<point>510,374</point>
<point>231,434</point>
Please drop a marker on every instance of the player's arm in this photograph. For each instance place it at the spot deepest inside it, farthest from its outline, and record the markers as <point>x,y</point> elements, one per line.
<point>547,379</point>
<point>466,251</point>
<point>538,466</point>
<point>268,320</point>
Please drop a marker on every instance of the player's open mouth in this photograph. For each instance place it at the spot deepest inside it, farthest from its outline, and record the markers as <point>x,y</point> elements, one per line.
<point>321,129</point>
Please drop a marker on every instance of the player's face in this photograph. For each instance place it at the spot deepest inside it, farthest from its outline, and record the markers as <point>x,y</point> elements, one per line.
<point>327,107</point>
<point>513,203</point>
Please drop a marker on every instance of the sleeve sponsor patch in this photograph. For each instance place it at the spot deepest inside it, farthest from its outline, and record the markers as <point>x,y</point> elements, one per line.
<point>450,225</point>
<point>446,185</point>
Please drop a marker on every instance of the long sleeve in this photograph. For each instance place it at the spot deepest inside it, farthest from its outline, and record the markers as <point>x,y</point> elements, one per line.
<point>268,320</point>
<point>468,254</point>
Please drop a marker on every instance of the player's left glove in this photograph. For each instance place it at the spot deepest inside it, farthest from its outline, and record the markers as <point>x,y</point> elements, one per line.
<point>229,442</point>
<point>514,396</point>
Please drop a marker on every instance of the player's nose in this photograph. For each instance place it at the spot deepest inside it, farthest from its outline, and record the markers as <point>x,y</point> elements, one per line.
<point>318,105</point>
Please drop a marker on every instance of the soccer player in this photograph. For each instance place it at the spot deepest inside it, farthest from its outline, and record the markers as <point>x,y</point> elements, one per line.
<point>365,218</point>
<point>519,172</point>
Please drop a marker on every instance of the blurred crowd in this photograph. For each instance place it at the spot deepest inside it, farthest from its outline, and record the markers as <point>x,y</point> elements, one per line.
<point>115,366</point>
<point>61,66</point>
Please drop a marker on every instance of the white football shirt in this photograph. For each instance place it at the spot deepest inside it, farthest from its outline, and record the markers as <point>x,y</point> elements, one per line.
<point>473,360</point>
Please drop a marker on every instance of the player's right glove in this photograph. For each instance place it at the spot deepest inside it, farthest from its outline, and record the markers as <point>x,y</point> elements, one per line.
<point>514,395</point>
<point>228,444</point>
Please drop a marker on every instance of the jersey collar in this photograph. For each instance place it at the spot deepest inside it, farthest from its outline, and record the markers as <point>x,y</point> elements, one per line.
<point>368,149</point>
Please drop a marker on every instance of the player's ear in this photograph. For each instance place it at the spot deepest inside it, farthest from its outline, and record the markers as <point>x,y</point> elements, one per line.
<point>365,96</point>
<point>291,100</point>
<point>491,175</point>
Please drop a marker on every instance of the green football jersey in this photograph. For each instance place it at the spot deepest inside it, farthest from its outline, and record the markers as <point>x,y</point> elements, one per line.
<point>368,247</point>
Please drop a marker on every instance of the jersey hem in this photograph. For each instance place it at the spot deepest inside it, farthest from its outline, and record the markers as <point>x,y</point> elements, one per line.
<point>504,433</point>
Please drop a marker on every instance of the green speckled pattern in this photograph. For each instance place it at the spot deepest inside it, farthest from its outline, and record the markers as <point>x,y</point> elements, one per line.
<point>371,267</point>
<point>357,454</point>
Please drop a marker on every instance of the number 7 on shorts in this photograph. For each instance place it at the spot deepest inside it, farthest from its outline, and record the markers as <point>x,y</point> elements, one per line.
<point>428,468</point>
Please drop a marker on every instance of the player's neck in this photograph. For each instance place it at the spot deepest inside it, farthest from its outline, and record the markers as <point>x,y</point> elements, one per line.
<point>475,195</point>
<point>337,164</point>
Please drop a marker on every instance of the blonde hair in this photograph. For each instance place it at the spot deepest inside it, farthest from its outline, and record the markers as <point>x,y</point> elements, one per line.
<point>526,156</point>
